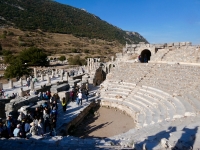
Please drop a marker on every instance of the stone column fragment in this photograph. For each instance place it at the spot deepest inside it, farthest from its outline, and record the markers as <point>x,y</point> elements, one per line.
<point>10,84</point>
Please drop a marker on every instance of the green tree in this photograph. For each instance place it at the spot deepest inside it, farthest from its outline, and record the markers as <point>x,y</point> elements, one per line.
<point>76,60</point>
<point>62,58</point>
<point>6,52</point>
<point>16,69</point>
<point>34,57</point>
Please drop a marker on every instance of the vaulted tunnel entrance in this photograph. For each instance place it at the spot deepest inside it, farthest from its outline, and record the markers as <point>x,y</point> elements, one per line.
<point>145,56</point>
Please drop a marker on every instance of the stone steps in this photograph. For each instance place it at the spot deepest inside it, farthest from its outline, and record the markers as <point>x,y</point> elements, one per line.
<point>159,105</point>
<point>195,102</point>
<point>157,117</point>
<point>143,116</point>
<point>121,93</point>
<point>169,107</point>
<point>182,107</point>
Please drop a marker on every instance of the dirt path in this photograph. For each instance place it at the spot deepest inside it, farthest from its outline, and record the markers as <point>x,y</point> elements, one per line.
<point>105,123</point>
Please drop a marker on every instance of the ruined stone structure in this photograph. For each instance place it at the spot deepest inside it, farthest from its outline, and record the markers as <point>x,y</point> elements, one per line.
<point>100,76</point>
<point>162,96</point>
<point>156,52</point>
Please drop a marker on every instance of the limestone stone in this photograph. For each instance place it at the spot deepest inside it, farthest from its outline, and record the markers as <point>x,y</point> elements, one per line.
<point>1,85</point>
<point>10,83</point>
<point>42,77</point>
<point>35,72</point>
<point>59,88</point>
<point>15,104</point>
<point>32,85</point>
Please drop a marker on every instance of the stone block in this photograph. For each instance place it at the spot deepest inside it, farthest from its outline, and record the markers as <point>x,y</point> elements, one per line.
<point>73,83</point>
<point>188,43</point>
<point>176,44</point>
<point>65,94</point>
<point>59,88</point>
<point>16,104</point>
<point>182,43</point>
<point>170,44</point>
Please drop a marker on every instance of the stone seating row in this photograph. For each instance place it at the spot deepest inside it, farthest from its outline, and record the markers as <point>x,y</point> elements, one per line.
<point>159,55</point>
<point>183,55</point>
<point>156,104</point>
<point>179,132</point>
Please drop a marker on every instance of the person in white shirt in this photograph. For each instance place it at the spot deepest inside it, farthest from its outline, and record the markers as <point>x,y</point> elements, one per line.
<point>80,96</point>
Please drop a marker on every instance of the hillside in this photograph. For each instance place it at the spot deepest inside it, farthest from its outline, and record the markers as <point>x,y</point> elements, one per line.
<point>56,43</point>
<point>50,16</point>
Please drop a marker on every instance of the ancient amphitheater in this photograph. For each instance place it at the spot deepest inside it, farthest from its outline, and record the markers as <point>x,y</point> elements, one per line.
<point>162,96</point>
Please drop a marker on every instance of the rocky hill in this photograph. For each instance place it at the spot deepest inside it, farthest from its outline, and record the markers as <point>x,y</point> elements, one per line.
<point>50,16</point>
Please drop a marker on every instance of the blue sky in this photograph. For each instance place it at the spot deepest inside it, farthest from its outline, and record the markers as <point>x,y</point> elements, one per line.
<point>159,21</point>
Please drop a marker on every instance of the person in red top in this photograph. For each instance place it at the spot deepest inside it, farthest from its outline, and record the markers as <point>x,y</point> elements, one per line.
<point>48,93</point>
<point>72,95</point>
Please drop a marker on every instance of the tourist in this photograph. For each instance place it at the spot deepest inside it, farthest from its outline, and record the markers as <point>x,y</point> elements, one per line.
<point>35,80</point>
<point>64,104</point>
<point>28,81</point>
<point>17,132</point>
<point>34,129</point>
<point>9,124</point>
<point>20,117</point>
<point>23,122</point>
<point>46,118</point>
<point>54,113</point>
<point>40,128</point>
<point>27,126</point>
<point>53,127</point>
<point>2,92</point>
<point>54,104</point>
<point>3,130</point>
<point>48,93</point>
<point>145,58</point>
<point>86,94</point>
<point>44,96</point>
<point>80,97</point>
<point>29,117</point>
<point>12,96</point>
<point>37,113</point>
<point>40,96</point>
<point>72,95</point>
<point>139,58</point>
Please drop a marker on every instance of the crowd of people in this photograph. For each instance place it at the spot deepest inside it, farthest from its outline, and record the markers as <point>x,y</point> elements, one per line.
<point>42,119</point>
<point>35,122</point>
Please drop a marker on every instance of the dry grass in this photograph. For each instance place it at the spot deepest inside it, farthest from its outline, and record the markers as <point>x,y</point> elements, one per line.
<point>57,44</point>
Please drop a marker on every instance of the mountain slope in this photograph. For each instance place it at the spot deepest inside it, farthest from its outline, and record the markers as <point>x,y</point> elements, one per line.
<point>50,16</point>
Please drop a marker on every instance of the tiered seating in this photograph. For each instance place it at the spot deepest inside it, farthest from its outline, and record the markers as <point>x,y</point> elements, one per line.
<point>184,54</point>
<point>162,99</point>
<point>156,92</point>
<point>159,55</point>
<point>173,78</point>
<point>130,72</point>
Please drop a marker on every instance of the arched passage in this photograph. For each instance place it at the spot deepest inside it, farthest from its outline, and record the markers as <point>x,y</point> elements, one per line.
<point>145,56</point>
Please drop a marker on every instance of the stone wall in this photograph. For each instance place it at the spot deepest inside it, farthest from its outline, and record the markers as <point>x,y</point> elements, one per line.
<point>76,77</point>
<point>16,104</point>
<point>99,77</point>
<point>59,88</point>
